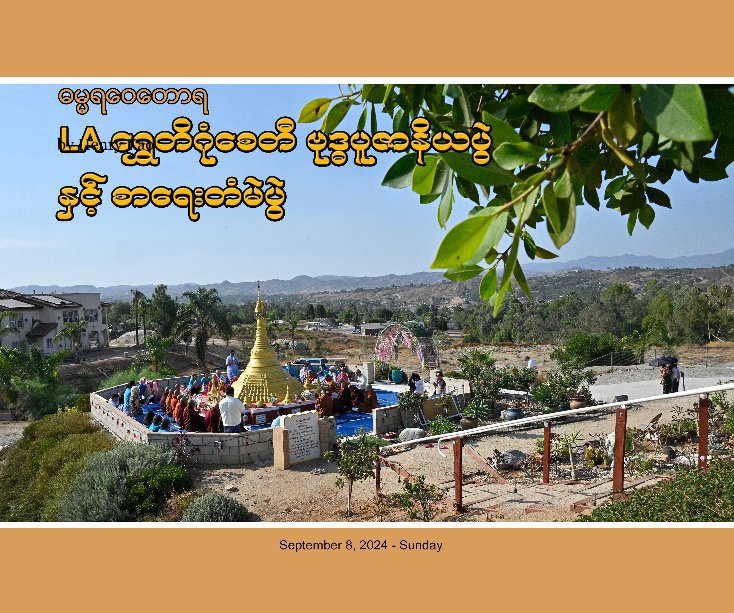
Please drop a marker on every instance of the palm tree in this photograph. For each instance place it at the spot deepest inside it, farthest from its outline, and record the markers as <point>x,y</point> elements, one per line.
<point>9,326</point>
<point>200,318</point>
<point>72,330</point>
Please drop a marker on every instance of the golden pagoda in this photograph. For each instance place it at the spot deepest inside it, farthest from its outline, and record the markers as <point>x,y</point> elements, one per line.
<point>264,377</point>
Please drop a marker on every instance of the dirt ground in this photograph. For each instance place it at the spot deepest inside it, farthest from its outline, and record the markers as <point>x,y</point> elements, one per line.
<point>11,431</point>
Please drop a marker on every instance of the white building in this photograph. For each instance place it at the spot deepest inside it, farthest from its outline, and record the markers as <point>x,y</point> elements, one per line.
<point>37,319</point>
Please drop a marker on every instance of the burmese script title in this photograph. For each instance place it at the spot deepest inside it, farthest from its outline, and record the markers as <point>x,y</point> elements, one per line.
<point>149,149</point>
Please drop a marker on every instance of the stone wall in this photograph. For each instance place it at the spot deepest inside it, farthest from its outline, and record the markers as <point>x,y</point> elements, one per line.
<point>386,419</point>
<point>254,447</point>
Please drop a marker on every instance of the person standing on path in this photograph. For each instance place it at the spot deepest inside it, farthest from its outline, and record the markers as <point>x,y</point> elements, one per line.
<point>231,409</point>
<point>233,365</point>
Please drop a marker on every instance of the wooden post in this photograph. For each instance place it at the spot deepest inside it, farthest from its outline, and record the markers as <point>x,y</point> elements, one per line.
<point>546,452</point>
<point>620,438</point>
<point>703,430</point>
<point>458,456</point>
<point>377,475</point>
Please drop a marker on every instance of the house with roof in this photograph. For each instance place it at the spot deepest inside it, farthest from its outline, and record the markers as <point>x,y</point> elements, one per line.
<point>37,319</point>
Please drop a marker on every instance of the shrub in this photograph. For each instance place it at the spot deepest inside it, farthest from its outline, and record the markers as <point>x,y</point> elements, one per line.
<point>691,495</point>
<point>560,385</point>
<point>582,348</point>
<point>37,397</point>
<point>99,492</point>
<point>146,494</point>
<point>214,506</point>
<point>40,468</point>
<point>420,500</point>
<point>441,425</point>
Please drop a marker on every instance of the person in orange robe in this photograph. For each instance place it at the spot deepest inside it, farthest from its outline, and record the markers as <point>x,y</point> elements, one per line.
<point>325,404</point>
<point>213,419</point>
<point>370,401</point>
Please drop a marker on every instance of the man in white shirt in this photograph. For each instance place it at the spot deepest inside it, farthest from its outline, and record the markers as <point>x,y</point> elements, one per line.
<point>419,385</point>
<point>231,409</point>
<point>531,362</point>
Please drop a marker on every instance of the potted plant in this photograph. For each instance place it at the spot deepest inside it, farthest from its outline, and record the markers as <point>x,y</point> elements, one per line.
<point>513,411</point>
<point>581,398</point>
<point>469,418</point>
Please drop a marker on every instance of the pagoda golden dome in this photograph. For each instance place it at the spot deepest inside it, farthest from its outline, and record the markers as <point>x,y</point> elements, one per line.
<point>264,377</point>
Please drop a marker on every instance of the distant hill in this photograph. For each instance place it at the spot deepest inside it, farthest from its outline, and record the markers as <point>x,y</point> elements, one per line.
<point>246,289</point>
<point>592,262</point>
<point>549,280</point>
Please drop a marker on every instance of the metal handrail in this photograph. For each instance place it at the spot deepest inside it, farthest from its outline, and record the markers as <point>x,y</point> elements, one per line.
<point>539,419</point>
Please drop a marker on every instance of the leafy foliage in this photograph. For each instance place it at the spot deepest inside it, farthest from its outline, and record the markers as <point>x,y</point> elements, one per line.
<point>99,492</point>
<point>355,459</point>
<point>420,500</point>
<point>216,507</point>
<point>37,472</point>
<point>441,425</point>
<point>201,317</point>
<point>691,496</point>
<point>553,146</point>
<point>147,493</point>
<point>562,384</point>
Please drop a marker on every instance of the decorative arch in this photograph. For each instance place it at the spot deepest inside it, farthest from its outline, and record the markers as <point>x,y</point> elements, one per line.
<point>393,335</point>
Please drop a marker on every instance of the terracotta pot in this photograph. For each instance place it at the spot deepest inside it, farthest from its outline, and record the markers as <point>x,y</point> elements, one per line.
<point>576,403</point>
<point>467,423</point>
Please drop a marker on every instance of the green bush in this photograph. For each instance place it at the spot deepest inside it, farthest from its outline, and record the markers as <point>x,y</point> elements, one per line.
<point>582,348</point>
<point>131,374</point>
<point>99,492</point>
<point>37,397</point>
<point>692,495</point>
<point>441,425</point>
<point>214,506</point>
<point>38,470</point>
<point>146,494</point>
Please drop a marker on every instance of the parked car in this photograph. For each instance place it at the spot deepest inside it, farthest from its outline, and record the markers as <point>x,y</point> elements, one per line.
<point>314,364</point>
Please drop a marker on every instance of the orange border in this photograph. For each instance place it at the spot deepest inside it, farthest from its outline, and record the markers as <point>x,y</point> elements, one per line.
<point>383,37</point>
<point>156,569</point>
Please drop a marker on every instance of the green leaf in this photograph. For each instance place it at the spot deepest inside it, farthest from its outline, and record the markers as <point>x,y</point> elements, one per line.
<point>463,165</point>
<point>463,273</point>
<point>631,221</point>
<point>335,116</point>
<point>428,198</point>
<point>676,111</point>
<point>400,174</point>
<point>373,119</point>
<point>362,120</point>
<point>646,215</point>
<point>720,108</point>
<point>592,197</point>
<point>467,189</point>
<point>622,119</point>
<point>658,197</point>
<point>493,235</point>
<point>711,170</point>
<point>502,132</point>
<point>521,280</point>
<point>509,267</point>
<point>462,241</point>
<point>488,286</point>
<point>560,128</point>
<point>565,194</point>
<point>602,98</point>
<point>614,186</point>
<point>314,110</point>
<point>511,155</point>
<point>544,254</point>
<point>551,207</point>
<point>424,176</point>
<point>529,245</point>
<point>445,206</point>
<point>557,98</point>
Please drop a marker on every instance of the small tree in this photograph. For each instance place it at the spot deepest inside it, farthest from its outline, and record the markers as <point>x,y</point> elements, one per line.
<point>356,461</point>
<point>420,500</point>
<point>73,330</point>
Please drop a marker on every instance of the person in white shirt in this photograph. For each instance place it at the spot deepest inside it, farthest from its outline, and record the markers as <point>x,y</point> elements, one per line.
<point>419,385</point>
<point>531,362</point>
<point>231,409</point>
<point>361,382</point>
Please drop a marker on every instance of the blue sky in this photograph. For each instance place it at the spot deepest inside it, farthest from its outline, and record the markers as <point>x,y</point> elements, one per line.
<point>338,220</point>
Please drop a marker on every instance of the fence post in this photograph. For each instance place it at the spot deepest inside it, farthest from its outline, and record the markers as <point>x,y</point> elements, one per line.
<point>377,475</point>
<point>703,430</point>
<point>620,438</point>
<point>458,456</point>
<point>546,451</point>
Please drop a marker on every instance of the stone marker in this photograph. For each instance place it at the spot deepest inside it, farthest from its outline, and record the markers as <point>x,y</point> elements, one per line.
<point>303,437</point>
